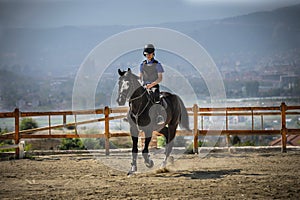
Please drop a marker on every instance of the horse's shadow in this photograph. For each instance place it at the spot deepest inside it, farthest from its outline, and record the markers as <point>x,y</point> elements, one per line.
<point>201,174</point>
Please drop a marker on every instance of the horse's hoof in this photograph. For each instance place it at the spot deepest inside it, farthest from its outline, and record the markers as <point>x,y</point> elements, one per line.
<point>149,164</point>
<point>163,165</point>
<point>130,173</point>
<point>132,170</point>
<point>171,160</point>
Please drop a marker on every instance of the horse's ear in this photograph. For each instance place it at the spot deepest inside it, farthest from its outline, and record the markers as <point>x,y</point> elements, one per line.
<point>120,72</point>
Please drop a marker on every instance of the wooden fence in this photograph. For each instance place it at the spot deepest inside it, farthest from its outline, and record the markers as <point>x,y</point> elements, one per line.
<point>198,115</point>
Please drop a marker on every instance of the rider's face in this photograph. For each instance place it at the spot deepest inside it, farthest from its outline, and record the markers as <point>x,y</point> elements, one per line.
<point>149,56</point>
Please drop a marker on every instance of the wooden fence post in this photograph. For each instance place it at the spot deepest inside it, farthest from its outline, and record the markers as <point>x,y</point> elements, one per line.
<point>195,130</point>
<point>228,142</point>
<point>17,130</point>
<point>283,127</point>
<point>107,135</point>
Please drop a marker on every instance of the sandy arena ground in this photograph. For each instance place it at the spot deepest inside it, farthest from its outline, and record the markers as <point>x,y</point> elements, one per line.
<point>267,175</point>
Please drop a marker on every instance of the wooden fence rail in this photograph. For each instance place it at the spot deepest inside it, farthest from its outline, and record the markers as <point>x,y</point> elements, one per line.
<point>20,146</point>
<point>196,113</point>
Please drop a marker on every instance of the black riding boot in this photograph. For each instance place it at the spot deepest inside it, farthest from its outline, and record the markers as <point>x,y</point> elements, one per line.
<point>156,98</point>
<point>160,120</point>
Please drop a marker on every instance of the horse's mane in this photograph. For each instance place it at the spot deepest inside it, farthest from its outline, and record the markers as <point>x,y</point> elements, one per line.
<point>134,76</point>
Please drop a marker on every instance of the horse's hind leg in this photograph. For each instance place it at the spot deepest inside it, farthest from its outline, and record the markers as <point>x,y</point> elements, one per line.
<point>148,162</point>
<point>169,133</point>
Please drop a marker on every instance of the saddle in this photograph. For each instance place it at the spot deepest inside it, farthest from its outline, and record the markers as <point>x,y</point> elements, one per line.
<point>162,98</point>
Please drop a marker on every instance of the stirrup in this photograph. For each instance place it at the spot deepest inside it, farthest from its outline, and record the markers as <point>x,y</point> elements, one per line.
<point>160,120</point>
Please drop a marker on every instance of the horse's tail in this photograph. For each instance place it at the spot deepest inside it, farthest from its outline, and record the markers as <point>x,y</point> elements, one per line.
<point>184,119</point>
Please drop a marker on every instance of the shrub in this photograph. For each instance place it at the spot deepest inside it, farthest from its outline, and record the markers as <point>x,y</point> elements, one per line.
<point>99,143</point>
<point>161,141</point>
<point>236,140</point>
<point>91,143</point>
<point>71,144</point>
<point>246,143</point>
<point>5,142</point>
<point>189,149</point>
<point>179,141</point>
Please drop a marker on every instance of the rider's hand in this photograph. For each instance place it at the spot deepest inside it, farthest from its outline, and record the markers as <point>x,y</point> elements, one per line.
<point>148,86</point>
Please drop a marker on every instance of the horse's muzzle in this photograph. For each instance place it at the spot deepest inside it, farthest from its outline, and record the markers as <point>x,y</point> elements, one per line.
<point>121,101</point>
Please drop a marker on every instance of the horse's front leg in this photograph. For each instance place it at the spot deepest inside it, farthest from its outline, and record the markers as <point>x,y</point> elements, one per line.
<point>134,136</point>
<point>148,162</point>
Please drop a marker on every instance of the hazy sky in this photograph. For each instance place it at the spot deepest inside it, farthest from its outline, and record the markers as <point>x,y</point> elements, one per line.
<point>54,13</point>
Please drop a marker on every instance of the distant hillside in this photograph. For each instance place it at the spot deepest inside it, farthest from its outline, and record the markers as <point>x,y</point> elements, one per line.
<point>13,87</point>
<point>286,15</point>
<point>260,32</point>
<point>61,50</point>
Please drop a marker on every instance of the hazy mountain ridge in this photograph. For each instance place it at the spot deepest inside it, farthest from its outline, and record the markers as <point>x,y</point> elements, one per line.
<point>60,50</point>
<point>289,15</point>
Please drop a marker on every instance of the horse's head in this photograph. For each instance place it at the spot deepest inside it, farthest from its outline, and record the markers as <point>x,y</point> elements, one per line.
<point>127,85</point>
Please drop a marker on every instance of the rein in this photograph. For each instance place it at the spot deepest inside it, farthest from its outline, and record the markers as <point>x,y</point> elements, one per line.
<point>138,111</point>
<point>131,100</point>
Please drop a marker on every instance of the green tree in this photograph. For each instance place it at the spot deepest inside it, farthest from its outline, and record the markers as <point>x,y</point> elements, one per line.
<point>28,123</point>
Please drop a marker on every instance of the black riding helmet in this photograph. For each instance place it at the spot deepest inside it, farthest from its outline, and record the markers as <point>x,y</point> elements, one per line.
<point>149,48</point>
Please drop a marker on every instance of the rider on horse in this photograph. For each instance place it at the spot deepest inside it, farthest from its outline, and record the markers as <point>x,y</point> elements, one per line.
<point>151,75</point>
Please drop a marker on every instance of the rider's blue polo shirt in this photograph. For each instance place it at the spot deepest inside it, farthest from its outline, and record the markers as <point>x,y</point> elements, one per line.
<point>158,66</point>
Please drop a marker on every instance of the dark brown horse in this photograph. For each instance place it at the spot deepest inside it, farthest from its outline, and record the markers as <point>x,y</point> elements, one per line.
<point>142,114</point>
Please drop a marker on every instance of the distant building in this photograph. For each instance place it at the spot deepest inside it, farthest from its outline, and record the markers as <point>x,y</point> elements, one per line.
<point>288,81</point>
<point>271,80</point>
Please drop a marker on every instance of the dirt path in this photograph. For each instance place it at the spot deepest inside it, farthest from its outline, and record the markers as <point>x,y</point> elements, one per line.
<point>217,176</point>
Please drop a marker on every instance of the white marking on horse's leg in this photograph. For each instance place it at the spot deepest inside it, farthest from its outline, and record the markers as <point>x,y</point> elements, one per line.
<point>164,163</point>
